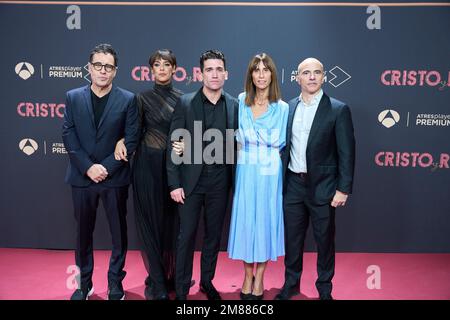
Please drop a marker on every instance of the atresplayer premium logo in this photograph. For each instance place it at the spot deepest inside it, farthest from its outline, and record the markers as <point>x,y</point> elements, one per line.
<point>28,146</point>
<point>58,148</point>
<point>69,72</point>
<point>388,118</point>
<point>24,70</point>
<point>336,76</point>
<point>433,120</point>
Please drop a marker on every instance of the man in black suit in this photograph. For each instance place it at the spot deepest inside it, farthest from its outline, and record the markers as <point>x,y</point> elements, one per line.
<point>95,118</point>
<point>203,176</point>
<point>318,168</point>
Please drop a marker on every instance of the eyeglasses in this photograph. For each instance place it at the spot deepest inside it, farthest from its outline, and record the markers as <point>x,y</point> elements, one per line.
<point>98,66</point>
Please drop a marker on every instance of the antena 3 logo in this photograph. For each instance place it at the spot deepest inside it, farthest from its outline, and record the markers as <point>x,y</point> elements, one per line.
<point>388,118</point>
<point>412,78</point>
<point>28,146</point>
<point>24,70</point>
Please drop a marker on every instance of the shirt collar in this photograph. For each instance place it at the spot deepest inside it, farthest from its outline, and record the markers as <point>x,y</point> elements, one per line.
<point>205,98</point>
<point>314,101</point>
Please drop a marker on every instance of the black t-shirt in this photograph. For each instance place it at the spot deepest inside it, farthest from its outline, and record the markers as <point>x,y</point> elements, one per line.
<point>215,117</point>
<point>98,106</point>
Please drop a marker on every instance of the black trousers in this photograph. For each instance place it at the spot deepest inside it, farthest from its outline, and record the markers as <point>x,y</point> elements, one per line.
<point>85,201</point>
<point>298,210</point>
<point>211,193</point>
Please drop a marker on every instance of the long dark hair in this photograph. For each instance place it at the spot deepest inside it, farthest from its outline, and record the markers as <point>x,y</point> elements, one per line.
<point>250,88</point>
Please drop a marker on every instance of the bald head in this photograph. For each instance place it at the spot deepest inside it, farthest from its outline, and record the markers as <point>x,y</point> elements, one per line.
<point>310,76</point>
<point>310,61</point>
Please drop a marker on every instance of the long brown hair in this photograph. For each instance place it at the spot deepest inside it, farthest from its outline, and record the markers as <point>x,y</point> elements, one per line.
<point>250,88</point>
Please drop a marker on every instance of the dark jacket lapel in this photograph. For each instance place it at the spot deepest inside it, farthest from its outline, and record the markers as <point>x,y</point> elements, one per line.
<point>109,104</point>
<point>231,112</point>
<point>292,108</point>
<point>321,113</point>
<point>197,105</point>
<point>88,101</point>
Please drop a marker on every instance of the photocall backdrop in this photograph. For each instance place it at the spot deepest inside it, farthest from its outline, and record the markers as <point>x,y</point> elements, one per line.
<point>390,64</point>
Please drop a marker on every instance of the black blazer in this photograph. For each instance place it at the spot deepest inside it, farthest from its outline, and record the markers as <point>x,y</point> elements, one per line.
<point>188,109</point>
<point>87,145</point>
<point>330,152</point>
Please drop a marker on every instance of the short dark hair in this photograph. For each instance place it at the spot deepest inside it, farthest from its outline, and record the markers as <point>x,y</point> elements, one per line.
<point>212,54</point>
<point>250,88</point>
<point>106,49</point>
<point>165,54</point>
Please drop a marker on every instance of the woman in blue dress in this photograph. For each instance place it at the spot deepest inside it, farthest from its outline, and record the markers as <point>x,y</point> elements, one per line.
<point>257,230</point>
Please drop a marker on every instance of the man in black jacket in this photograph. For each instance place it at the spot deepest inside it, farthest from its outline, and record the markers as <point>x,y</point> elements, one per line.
<point>203,177</point>
<point>318,168</point>
<point>95,118</point>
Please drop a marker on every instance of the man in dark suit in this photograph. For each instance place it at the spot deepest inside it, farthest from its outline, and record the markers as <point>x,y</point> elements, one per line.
<point>318,165</point>
<point>95,118</point>
<point>203,176</point>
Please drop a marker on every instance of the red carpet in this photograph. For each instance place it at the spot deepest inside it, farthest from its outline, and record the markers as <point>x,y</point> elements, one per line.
<point>42,274</point>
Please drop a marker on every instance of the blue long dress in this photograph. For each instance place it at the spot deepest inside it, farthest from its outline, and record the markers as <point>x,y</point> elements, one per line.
<point>257,228</point>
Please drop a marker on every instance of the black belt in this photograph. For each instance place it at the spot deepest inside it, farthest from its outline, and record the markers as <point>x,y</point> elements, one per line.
<point>302,175</point>
<point>213,167</point>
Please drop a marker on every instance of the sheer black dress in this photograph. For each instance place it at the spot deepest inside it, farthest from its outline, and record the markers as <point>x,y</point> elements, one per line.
<point>155,213</point>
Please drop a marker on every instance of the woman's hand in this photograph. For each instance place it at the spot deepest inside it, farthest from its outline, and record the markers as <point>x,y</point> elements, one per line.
<point>120,153</point>
<point>178,147</point>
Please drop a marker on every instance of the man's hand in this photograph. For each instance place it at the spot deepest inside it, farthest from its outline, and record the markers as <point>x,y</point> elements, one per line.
<point>339,199</point>
<point>177,195</point>
<point>97,173</point>
<point>120,152</point>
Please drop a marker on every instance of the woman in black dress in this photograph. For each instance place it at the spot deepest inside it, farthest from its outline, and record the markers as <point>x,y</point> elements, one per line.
<point>155,213</point>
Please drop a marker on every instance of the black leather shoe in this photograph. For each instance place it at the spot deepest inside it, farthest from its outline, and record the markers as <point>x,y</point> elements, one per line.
<point>115,291</point>
<point>148,293</point>
<point>83,294</point>
<point>162,297</point>
<point>326,296</point>
<point>286,293</point>
<point>210,291</point>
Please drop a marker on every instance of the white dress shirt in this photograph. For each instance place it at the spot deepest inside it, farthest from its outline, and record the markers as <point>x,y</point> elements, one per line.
<point>301,126</point>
